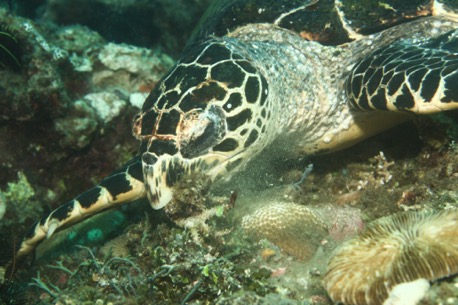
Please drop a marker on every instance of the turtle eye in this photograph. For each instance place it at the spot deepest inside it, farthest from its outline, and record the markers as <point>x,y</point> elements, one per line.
<point>200,130</point>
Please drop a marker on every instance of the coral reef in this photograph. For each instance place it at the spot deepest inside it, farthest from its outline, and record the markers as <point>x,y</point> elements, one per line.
<point>252,298</point>
<point>221,265</point>
<point>65,122</point>
<point>172,262</point>
<point>117,247</point>
<point>78,126</point>
<point>17,203</point>
<point>393,250</point>
<point>156,260</point>
<point>36,88</point>
<point>10,53</point>
<point>294,228</point>
<point>67,93</point>
<point>142,22</point>
<point>343,222</point>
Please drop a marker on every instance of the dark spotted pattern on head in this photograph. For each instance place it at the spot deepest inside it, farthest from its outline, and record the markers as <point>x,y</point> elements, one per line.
<point>253,136</point>
<point>189,102</point>
<point>168,123</point>
<point>206,109</point>
<point>175,170</point>
<point>228,72</point>
<point>233,103</point>
<point>252,90</point>
<point>209,91</point>
<point>229,144</point>
<point>161,147</point>
<point>184,120</point>
<point>213,54</point>
<point>185,77</point>
<point>235,121</point>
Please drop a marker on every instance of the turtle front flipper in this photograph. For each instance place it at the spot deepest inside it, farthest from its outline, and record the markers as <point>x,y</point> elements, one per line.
<point>124,185</point>
<point>408,76</point>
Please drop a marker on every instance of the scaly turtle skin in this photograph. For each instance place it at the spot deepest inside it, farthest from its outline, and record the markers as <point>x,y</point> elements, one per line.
<point>295,76</point>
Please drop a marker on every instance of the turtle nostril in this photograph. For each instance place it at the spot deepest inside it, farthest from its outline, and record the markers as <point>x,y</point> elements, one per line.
<point>149,158</point>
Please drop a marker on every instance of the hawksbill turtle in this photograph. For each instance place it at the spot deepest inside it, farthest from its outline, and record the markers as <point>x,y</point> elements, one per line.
<point>298,76</point>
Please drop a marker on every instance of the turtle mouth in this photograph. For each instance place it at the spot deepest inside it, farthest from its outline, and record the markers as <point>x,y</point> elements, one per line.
<point>162,173</point>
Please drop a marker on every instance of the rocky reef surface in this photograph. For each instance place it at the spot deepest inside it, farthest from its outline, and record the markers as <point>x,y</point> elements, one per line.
<point>83,70</point>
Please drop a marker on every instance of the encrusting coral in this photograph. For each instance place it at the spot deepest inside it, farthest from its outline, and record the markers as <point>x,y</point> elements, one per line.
<point>393,250</point>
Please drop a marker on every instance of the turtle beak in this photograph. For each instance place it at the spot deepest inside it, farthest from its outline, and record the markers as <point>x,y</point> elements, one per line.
<point>162,173</point>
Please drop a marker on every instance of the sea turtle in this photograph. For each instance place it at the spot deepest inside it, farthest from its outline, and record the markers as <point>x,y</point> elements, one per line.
<point>297,76</point>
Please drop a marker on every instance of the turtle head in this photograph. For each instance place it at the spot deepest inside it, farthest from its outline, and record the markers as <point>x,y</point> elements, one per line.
<point>205,116</point>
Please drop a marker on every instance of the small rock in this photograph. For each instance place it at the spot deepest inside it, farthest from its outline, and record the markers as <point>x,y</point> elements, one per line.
<point>107,105</point>
<point>408,293</point>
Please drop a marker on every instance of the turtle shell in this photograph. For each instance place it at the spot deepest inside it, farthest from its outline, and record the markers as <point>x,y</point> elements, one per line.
<point>326,21</point>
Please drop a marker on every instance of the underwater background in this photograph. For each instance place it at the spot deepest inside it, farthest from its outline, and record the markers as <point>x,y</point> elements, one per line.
<point>73,73</point>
